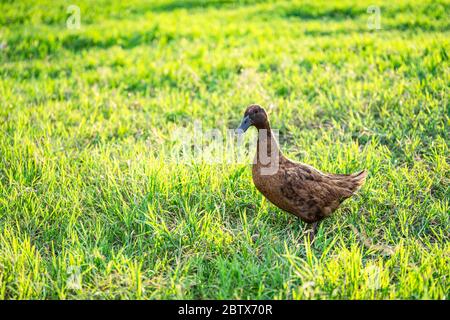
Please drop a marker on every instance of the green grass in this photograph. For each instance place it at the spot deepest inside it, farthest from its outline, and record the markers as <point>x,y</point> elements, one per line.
<point>85,123</point>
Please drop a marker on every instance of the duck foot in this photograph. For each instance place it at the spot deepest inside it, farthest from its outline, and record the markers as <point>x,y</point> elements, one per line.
<point>312,231</point>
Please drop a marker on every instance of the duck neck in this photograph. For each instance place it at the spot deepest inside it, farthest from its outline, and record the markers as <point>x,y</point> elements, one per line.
<point>267,150</point>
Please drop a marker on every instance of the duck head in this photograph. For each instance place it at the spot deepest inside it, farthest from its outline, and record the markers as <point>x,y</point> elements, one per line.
<point>256,116</point>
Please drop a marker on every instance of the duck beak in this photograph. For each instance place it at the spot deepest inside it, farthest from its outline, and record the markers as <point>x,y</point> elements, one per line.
<point>245,124</point>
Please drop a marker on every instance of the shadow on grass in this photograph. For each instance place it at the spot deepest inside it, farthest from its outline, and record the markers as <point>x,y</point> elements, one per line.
<point>191,5</point>
<point>32,47</point>
<point>203,4</point>
<point>312,13</point>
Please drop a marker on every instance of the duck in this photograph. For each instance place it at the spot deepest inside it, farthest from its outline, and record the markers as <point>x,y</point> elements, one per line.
<point>294,187</point>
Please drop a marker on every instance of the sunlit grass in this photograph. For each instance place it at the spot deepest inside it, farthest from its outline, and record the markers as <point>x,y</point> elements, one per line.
<point>89,195</point>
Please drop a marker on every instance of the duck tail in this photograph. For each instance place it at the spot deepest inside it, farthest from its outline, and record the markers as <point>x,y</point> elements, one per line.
<point>358,179</point>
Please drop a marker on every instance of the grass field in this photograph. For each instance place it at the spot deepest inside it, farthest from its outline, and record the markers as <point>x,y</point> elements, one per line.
<point>92,206</point>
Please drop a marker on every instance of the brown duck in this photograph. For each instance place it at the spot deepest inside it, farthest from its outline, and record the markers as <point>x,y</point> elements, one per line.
<point>295,187</point>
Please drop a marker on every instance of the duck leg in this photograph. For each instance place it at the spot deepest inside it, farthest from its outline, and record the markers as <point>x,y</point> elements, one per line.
<point>312,231</point>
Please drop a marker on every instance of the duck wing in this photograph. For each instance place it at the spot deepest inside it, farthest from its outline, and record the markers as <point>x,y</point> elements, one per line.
<point>317,194</point>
